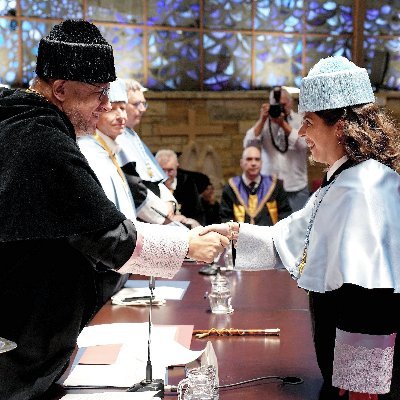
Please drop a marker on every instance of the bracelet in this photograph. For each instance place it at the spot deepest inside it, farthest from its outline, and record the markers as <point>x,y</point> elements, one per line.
<point>233,230</point>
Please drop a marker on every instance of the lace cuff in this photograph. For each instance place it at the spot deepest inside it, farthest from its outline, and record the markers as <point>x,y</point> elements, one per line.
<point>160,251</point>
<point>255,248</point>
<point>363,363</point>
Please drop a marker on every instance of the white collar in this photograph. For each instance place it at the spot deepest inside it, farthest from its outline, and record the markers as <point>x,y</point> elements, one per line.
<point>174,183</point>
<point>247,181</point>
<point>335,166</point>
<point>114,147</point>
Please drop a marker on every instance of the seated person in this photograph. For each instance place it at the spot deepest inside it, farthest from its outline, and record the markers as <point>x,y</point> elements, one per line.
<point>124,189</point>
<point>254,198</point>
<point>135,150</point>
<point>182,187</point>
<point>210,206</point>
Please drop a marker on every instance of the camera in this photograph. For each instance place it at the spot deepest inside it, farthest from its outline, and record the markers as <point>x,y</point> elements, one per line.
<point>276,109</point>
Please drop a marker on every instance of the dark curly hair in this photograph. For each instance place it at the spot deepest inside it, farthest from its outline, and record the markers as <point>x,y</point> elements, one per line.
<point>368,133</point>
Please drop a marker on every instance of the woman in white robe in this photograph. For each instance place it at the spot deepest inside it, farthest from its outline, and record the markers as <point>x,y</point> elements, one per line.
<point>343,247</point>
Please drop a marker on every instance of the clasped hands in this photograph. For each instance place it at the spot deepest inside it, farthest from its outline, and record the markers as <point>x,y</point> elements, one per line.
<point>206,242</point>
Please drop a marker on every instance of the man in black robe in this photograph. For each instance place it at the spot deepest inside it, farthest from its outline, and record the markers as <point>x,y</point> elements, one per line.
<point>254,198</point>
<point>59,233</point>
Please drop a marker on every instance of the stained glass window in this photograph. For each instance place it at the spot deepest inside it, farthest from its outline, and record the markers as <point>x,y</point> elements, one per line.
<point>32,32</point>
<point>235,14</point>
<point>8,7</point>
<point>128,50</point>
<point>382,17</point>
<point>121,11</point>
<point>279,16</point>
<point>385,74</point>
<point>51,8</point>
<point>178,13</point>
<point>227,61</point>
<point>8,52</point>
<point>173,60</point>
<point>330,17</point>
<point>209,44</point>
<point>277,60</point>
<point>318,48</point>
<point>382,39</point>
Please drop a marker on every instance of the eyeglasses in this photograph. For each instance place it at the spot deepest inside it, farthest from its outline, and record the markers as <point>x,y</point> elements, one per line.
<point>103,92</point>
<point>143,103</point>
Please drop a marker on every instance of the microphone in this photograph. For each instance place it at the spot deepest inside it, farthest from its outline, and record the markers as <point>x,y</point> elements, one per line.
<point>149,384</point>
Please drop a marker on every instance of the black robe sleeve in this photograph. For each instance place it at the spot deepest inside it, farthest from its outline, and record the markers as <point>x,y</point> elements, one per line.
<point>110,248</point>
<point>284,208</point>
<point>226,206</point>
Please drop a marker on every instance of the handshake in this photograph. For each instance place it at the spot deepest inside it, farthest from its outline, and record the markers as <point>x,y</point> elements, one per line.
<point>206,242</point>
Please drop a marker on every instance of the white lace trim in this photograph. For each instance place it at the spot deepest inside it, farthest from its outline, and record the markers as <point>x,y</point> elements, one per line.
<point>361,369</point>
<point>255,248</point>
<point>159,252</point>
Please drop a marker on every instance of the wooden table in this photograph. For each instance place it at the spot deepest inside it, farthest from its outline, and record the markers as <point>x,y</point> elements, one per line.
<point>264,299</point>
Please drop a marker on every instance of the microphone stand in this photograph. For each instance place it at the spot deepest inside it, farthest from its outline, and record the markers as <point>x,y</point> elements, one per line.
<point>149,384</point>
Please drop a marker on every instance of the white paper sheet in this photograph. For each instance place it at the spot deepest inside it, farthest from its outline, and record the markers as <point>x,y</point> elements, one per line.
<point>115,375</point>
<point>111,396</point>
<point>123,333</point>
<point>162,292</point>
<point>130,365</point>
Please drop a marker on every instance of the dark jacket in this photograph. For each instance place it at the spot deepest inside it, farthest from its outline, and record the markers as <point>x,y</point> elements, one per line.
<point>187,196</point>
<point>57,232</point>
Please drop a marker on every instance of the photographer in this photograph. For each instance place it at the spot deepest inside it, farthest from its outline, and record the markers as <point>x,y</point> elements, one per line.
<point>283,152</point>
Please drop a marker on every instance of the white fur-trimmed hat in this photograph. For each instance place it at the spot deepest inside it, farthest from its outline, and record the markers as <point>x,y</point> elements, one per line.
<point>118,91</point>
<point>334,82</point>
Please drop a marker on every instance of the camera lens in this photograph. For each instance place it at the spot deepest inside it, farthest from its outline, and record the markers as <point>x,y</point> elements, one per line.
<point>275,110</point>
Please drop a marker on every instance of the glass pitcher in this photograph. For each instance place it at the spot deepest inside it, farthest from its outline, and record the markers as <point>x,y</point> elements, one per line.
<point>199,384</point>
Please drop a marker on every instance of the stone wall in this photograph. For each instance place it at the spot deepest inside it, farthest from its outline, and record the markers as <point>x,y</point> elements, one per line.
<point>177,120</point>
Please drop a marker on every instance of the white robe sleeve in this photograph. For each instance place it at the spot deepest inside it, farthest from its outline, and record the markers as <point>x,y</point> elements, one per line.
<point>369,357</point>
<point>159,251</point>
<point>146,211</point>
<point>255,248</point>
<point>165,194</point>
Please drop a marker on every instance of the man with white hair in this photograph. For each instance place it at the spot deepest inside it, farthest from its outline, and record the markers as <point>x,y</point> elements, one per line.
<point>135,150</point>
<point>183,188</point>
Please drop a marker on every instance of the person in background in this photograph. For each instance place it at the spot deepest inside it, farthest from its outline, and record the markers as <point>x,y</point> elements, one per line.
<point>58,228</point>
<point>134,150</point>
<point>284,152</point>
<point>182,186</point>
<point>343,247</point>
<point>124,189</point>
<point>252,197</point>
<point>100,151</point>
<point>127,192</point>
<point>210,206</point>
